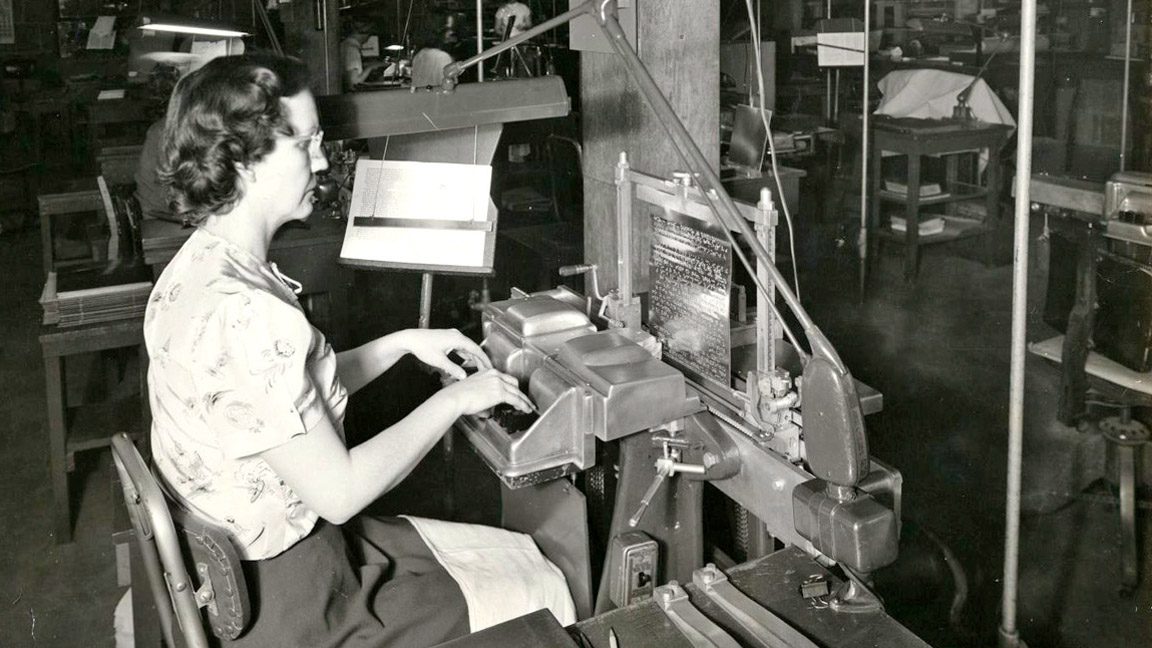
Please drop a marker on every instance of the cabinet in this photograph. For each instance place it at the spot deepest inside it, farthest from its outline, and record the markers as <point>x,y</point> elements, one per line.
<point>949,140</point>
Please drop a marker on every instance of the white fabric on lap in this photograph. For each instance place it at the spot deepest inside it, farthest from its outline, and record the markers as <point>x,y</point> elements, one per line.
<point>502,574</point>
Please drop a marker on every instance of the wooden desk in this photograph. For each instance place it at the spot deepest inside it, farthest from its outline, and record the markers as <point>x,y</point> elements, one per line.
<point>95,423</point>
<point>117,122</point>
<point>307,253</point>
<point>941,138</point>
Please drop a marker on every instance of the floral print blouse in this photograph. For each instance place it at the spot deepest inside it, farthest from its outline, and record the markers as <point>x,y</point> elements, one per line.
<point>235,369</point>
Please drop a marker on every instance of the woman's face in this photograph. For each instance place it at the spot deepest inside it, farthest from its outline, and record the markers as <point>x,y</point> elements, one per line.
<point>281,184</point>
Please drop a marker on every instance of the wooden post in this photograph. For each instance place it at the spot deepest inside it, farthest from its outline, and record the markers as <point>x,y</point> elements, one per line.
<point>679,42</point>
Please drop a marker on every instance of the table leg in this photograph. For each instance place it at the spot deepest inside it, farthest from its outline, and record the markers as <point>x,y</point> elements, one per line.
<point>145,443</point>
<point>57,442</point>
<point>991,202</point>
<point>1130,574</point>
<point>872,249</point>
<point>1078,333</point>
<point>951,174</point>
<point>912,219</point>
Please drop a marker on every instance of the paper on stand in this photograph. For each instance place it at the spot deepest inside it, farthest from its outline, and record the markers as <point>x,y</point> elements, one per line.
<point>420,191</point>
<point>103,33</point>
<point>840,49</point>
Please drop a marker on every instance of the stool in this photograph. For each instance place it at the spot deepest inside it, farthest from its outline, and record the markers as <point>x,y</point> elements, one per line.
<point>56,344</point>
<point>941,138</point>
<point>1128,436</point>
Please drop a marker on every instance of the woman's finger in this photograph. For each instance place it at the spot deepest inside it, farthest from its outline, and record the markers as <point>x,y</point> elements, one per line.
<point>473,352</point>
<point>447,366</point>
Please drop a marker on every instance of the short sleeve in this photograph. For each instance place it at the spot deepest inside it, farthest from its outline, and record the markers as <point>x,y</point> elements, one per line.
<point>262,392</point>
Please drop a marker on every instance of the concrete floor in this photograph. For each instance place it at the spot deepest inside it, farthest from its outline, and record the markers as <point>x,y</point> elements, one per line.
<point>938,351</point>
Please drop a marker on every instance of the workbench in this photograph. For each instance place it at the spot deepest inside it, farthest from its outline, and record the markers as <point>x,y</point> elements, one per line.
<point>946,138</point>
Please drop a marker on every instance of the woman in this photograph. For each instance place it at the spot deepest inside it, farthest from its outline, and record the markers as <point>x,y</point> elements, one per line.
<point>357,33</point>
<point>248,399</point>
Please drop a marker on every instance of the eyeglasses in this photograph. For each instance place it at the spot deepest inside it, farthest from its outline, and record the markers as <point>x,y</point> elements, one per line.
<point>314,141</point>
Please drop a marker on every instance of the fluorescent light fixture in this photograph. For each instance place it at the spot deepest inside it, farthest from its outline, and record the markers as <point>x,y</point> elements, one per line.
<point>394,48</point>
<point>194,26</point>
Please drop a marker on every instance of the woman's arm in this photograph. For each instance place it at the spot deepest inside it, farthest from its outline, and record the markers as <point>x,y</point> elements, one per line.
<point>337,482</point>
<point>360,366</point>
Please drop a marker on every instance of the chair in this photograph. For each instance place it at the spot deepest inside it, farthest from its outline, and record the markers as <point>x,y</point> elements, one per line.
<point>171,539</point>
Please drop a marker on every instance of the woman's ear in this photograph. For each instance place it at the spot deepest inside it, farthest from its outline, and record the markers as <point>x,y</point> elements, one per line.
<point>246,173</point>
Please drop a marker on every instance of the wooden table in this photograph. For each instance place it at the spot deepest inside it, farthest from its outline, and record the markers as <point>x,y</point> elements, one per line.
<point>95,423</point>
<point>117,122</point>
<point>946,138</point>
<point>307,253</point>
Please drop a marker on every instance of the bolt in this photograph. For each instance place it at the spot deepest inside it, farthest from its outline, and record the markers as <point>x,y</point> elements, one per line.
<point>710,459</point>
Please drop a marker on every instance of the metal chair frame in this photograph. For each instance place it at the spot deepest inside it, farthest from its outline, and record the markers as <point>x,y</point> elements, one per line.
<point>178,598</point>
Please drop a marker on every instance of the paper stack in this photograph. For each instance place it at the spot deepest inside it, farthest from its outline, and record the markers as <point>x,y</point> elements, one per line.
<point>928,226</point>
<point>91,295</point>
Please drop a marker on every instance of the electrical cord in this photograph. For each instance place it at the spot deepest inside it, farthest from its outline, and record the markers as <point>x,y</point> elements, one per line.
<point>754,24</point>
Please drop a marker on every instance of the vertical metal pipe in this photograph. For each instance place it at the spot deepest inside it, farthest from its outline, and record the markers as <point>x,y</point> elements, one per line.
<point>1009,636</point>
<point>480,39</point>
<point>425,300</point>
<point>1124,96</point>
<point>862,239</point>
<point>624,229</point>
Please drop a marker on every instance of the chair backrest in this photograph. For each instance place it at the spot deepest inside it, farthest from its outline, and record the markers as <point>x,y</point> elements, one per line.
<point>170,539</point>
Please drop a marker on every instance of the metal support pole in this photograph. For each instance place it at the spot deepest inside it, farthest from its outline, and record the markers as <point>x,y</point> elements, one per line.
<point>862,239</point>
<point>425,300</point>
<point>1124,96</point>
<point>1009,636</point>
<point>479,39</point>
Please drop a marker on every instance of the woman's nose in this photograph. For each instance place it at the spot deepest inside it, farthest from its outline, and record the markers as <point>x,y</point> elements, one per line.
<point>319,161</point>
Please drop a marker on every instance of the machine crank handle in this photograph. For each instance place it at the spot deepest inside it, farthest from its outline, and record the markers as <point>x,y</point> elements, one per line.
<point>573,270</point>
<point>646,500</point>
<point>665,468</point>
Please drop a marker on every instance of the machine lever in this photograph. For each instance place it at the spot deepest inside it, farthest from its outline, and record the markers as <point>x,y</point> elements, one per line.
<point>647,499</point>
<point>572,270</point>
<point>665,467</point>
<point>766,629</point>
<point>698,629</point>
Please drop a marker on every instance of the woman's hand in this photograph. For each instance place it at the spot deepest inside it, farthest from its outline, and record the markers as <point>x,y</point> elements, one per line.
<point>485,390</point>
<point>432,346</point>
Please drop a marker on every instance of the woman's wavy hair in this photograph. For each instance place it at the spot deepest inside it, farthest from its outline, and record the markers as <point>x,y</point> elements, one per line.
<point>224,116</point>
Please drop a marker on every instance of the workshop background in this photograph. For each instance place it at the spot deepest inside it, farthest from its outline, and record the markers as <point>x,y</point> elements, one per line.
<point>929,329</point>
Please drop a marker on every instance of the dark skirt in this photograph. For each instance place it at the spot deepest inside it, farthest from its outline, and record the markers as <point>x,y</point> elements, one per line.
<point>372,582</point>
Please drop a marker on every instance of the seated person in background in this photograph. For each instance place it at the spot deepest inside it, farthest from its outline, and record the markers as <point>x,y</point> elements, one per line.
<point>429,61</point>
<point>355,72</point>
<point>150,193</point>
<point>509,10</point>
<point>249,399</point>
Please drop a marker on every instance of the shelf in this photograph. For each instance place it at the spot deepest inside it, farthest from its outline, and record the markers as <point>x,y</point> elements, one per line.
<point>956,192</point>
<point>955,228</point>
